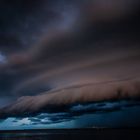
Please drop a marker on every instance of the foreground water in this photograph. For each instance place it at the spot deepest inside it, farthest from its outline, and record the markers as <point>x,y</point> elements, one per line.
<point>71,134</point>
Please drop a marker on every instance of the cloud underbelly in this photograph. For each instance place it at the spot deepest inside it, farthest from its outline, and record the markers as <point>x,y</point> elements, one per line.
<point>112,78</point>
<point>117,66</point>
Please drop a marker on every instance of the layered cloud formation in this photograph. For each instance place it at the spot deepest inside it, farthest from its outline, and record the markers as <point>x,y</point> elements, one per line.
<point>86,52</point>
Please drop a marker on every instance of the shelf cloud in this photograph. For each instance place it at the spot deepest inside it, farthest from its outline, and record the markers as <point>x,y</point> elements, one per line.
<point>75,53</point>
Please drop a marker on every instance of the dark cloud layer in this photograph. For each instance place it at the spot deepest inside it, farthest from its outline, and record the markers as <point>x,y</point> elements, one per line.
<point>78,110</point>
<point>54,54</point>
<point>69,112</point>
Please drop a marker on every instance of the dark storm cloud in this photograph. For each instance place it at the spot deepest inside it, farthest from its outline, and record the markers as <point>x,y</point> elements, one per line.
<point>74,112</point>
<point>88,52</point>
<point>51,118</point>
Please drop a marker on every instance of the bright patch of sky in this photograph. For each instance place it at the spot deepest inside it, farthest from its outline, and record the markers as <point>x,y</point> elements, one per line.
<point>2,58</point>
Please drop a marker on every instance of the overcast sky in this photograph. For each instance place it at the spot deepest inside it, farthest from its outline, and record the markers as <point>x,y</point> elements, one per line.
<point>58,54</point>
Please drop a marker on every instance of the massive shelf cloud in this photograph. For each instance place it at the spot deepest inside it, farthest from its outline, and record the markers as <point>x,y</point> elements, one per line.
<point>62,54</point>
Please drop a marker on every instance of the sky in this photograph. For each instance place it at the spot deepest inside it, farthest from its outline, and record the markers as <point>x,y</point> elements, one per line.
<point>69,64</point>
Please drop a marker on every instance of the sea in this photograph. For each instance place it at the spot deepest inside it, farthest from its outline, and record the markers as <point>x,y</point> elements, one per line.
<point>72,134</point>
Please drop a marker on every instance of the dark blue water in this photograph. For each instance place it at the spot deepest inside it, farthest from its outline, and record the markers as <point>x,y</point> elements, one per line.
<point>72,134</point>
